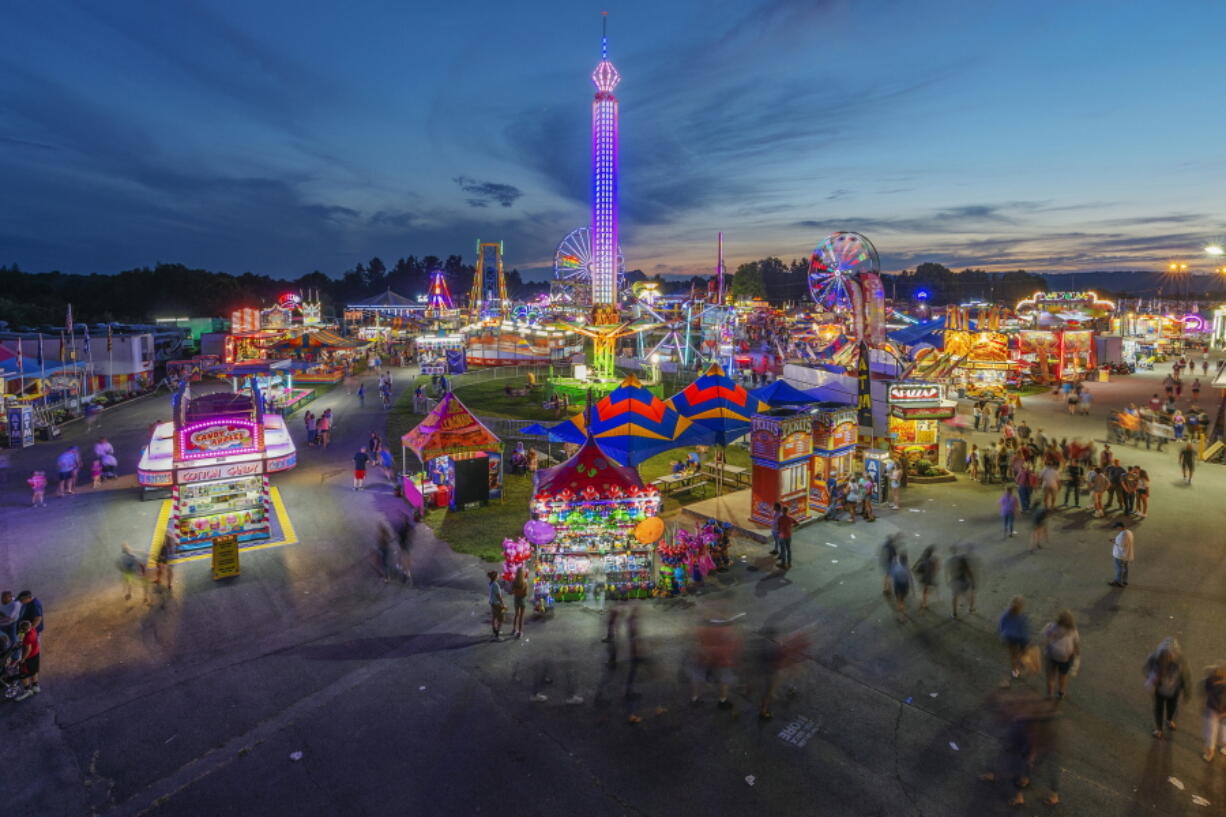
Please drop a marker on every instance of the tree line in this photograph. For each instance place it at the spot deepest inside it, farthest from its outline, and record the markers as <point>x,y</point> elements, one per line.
<point>773,280</point>
<point>169,290</point>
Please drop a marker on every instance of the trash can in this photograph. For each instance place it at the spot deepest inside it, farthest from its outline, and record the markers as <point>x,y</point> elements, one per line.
<point>955,455</point>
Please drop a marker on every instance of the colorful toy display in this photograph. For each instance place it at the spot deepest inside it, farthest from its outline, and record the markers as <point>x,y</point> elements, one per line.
<point>595,507</point>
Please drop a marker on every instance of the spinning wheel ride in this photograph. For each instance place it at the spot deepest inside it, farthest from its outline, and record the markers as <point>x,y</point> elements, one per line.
<point>572,268</point>
<point>844,280</point>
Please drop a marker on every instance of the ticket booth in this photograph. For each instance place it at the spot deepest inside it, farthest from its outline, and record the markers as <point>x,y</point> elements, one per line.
<point>834,446</point>
<point>781,447</point>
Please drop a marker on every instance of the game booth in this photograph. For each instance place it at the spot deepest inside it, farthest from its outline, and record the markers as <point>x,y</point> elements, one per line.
<point>600,529</point>
<point>216,456</point>
<point>460,459</point>
<point>916,410</point>
<point>1057,354</point>
<point>319,354</point>
<point>510,344</point>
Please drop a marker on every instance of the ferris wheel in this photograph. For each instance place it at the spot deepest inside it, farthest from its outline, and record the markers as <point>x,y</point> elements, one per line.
<point>835,269</point>
<point>572,264</point>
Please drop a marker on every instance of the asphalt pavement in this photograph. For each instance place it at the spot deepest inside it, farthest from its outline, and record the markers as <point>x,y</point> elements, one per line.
<point>308,686</point>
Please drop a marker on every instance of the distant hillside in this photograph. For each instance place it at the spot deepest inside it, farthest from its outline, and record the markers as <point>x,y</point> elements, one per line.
<point>1137,283</point>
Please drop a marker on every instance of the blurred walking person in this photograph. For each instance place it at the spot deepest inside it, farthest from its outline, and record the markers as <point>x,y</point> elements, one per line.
<point>1008,511</point>
<point>133,572</point>
<point>1014,629</point>
<point>1166,675</point>
<point>900,580</point>
<point>1040,516</point>
<point>927,568</point>
<point>1187,462</point>
<point>717,651</point>
<point>887,555</point>
<point>1214,687</point>
<point>961,572</point>
<point>1062,653</point>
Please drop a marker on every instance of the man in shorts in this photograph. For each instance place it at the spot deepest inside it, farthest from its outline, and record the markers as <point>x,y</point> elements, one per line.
<point>360,460</point>
<point>30,654</point>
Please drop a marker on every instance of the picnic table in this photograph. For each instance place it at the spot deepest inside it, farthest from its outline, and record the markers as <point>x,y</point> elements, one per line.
<point>737,474</point>
<point>674,483</point>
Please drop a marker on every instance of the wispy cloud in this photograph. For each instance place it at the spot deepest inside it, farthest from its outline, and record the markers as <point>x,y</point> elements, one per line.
<point>484,193</point>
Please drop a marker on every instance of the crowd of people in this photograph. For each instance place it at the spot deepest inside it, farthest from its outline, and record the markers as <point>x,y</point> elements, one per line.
<point>21,629</point>
<point>69,464</point>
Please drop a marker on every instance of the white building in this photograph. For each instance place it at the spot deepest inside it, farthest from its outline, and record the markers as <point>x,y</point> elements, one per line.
<point>126,366</point>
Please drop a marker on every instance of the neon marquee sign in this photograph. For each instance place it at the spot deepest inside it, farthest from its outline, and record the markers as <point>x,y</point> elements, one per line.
<point>219,438</point>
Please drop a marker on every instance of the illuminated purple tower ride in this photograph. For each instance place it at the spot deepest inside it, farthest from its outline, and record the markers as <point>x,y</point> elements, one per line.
<point>604,180</point>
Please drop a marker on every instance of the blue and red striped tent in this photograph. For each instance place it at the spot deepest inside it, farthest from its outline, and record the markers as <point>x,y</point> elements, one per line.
<point>632,425</point>
<point>717,403</point>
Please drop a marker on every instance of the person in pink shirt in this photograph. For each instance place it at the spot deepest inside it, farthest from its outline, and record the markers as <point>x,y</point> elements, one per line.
<point>38,489</point>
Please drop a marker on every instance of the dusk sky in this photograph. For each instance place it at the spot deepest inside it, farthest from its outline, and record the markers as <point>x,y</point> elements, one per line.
<point>281,137</point>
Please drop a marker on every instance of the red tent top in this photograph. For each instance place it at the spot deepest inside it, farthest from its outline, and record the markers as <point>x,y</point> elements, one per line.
<point>591,473</point>
<point>449,428</point>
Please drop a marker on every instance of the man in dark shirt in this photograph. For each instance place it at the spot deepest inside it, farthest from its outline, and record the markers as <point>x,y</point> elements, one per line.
<point>31,610</point>
<point>1115,472</point>
<point>1073,483</point>
<point>359,468</point>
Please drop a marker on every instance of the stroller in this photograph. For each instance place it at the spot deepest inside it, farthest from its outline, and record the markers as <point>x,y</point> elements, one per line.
<point>10,667</point>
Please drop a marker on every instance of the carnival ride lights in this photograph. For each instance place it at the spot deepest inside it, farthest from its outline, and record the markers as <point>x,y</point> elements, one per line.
<point>572,268</point>
<point>439,298</point>
<point>604,177</point>
<point>476,302</point>
<point>1046,299</point>
<point>844,280</point>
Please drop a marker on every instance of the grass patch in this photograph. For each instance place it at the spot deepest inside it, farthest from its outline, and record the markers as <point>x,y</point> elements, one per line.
<point>490,399</point>
<point>480,532</point>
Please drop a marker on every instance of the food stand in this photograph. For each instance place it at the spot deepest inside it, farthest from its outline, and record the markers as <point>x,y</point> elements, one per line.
<point>595,507</point>
<point>216,457</point>
<point>983,367</point>
<point>780,447</point>
<point>916,410</point>
<point>461,459</point>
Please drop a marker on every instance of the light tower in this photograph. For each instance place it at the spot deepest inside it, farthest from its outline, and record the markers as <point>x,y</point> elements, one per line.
<point>604,177</point>
<point>605,326</point>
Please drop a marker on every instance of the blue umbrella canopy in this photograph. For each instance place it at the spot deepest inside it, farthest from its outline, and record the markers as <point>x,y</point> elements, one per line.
<point>781,393</point>
<point>632,425</point>
<point>718,404</point>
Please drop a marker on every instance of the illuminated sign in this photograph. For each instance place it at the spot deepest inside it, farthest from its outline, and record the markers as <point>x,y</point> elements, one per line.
<point>915,393</point>
<point>289,300</point>
<point>155,479</point>
<point>283,463</point>
<point>212,472</point>
<point>212,438</point>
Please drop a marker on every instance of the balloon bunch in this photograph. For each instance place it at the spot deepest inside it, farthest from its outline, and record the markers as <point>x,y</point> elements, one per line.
<point>515,552</point>
<point>673,553</point>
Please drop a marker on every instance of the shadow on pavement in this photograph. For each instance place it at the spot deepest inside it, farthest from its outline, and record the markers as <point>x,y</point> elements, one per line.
<point>362,649</point>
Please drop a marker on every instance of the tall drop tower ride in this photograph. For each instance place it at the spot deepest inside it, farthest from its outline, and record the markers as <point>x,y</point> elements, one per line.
<point>604,180</point>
